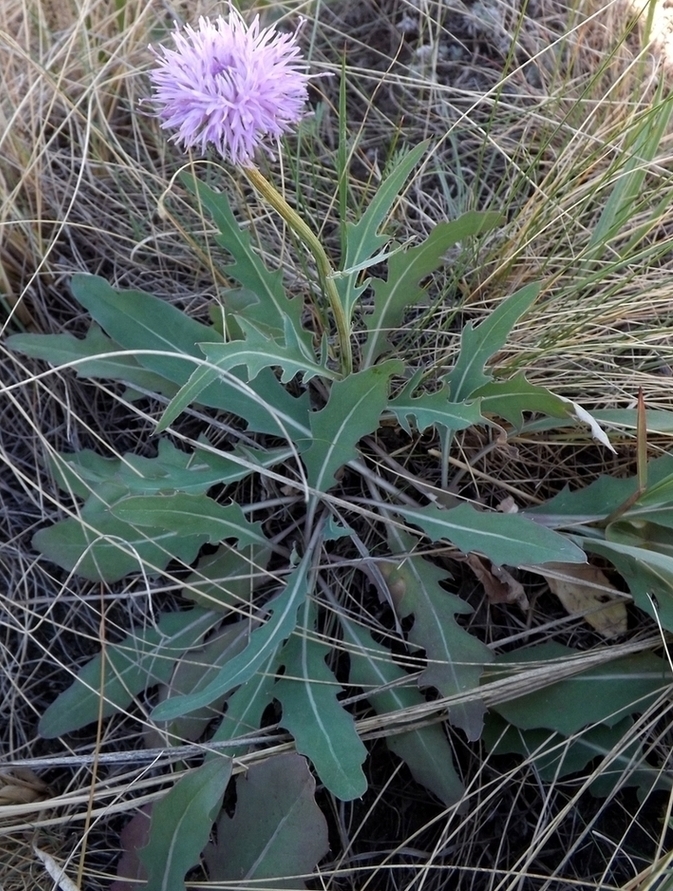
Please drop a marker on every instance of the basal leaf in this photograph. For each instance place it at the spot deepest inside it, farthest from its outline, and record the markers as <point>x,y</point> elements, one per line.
<point>245,708</point>
<point>456,659</point>
<point>144,658</point>
<point>556,756</point>
<point>181,824</point>
<point>406,269</point>
<point>194,672</point>
<point>426,751</point>
<point>353,410</point>
<point>434,410</point>
<point>100,547</point>
<point>225,580</point>
<point>277,833</point>
<point>263,644</point>
<point>478,345</point>
<point>323,730</point>
<point>64,349</point>
<point>196,516</point>
<point>604,694</point>
<point>648,574</point>
<point>504,538</point>
<point>139,321</point>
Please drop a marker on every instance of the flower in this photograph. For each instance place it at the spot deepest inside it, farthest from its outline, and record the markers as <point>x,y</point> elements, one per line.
<point>230,85</point>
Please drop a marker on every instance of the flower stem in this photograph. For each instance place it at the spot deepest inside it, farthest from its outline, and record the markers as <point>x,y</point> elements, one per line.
<point>312,242</point>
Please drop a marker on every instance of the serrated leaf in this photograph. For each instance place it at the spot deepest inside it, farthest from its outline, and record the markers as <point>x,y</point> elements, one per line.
<point>100,547</point>
<point>263,644</point>
<point>425,751</point>
<point>196,516</point>
<point>277,832</point>
<point>456,659</point>
<point>139,321</point>
<point>434,410</point>
<point>406,269</point>
<point>144,658</point>
<point>273,306</point>
<point>353,410</point>
<point>171,470</point>
<point>88,357</point>
<point>257,351</point>
<point>322,729</point>
<point>363,239</point>
<point>181,824</point>
<point>504,538</point>
<point>478,345</point>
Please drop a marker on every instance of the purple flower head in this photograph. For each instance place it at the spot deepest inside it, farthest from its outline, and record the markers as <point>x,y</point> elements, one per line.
<point>230,85</point>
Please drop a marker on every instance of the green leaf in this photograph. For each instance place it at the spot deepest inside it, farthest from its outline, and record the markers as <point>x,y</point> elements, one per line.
<point>353,410</point>
<point>172,470</point>
<point>649,574</point>
<point>406,269</point>
<point>511,398</point>
<point>503,538</point>
<point>226,580</point>
<point>456,659</point>
<point>434,410</point>
<point>108,683</point>
<point>556,756</point>
<point>194,672</point>
<point>256,352</point>
<point>425,751</point>
<point>273,307</point>
<point>323,730</point>
<point>263,644</point>
<point>181,824</point>
<point>196,516</point>
<point>100,547</point>
<point>277,832</point>
<point>604,694</point>
<point>588,505</point>
<point>89,358</point>
<point>363,239</point>
<point>245,708</point>
<point>478,345</point>
<point>141,322</point>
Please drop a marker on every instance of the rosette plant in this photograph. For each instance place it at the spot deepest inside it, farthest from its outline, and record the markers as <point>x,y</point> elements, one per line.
<point>313,554</point>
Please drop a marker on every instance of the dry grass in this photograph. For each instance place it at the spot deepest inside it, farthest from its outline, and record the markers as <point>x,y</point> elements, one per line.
<point>533,115</point>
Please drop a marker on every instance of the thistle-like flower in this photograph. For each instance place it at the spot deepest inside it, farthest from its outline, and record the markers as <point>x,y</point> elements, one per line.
<point>230,85</point>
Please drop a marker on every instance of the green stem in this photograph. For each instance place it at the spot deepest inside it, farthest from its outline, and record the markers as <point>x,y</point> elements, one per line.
<point>312,242</point>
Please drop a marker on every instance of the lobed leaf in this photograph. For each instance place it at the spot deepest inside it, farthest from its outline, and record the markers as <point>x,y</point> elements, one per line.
<point>353,410</point>
<point>322,729</point>
<point>263,644</point>
<point>456,659</point>
<point>425,751</point>
<point>504,538</point>
<point>181,824</point>
<point>277,833</point>
<point>109,682</point>
<point>434,410</point>
<point>478,345</point>
<point>406,269</point>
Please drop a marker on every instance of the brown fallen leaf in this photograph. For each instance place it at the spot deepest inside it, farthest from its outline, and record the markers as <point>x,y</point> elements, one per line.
<point>19,785</point>
<point>584,590</point>
<point>500,586</point>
